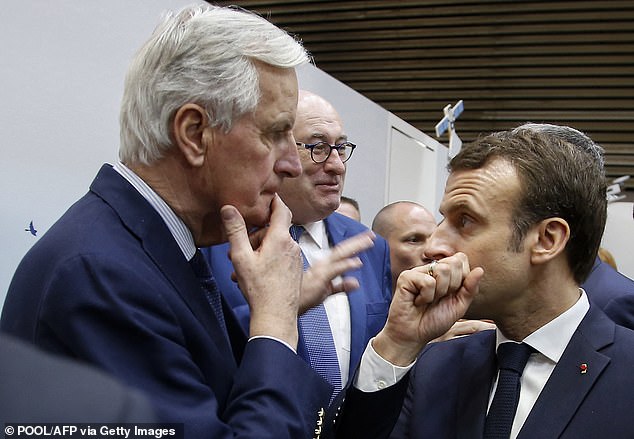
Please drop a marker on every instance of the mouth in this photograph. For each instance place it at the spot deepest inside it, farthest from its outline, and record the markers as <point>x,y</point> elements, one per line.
<point>329,185</point>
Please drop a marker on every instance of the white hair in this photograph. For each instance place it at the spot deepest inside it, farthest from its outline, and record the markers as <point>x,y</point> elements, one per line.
<point>205,55</point>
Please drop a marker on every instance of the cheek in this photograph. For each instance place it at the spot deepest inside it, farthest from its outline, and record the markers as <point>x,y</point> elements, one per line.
<point>405,258</point>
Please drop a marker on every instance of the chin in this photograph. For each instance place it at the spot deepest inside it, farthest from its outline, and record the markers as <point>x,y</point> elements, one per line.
<point>332,204</point>
<point>258,217</point>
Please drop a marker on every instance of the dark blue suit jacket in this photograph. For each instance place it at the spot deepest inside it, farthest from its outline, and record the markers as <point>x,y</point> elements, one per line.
<point>108,284</point>
<point>369,304</point>
<point>450,384</point>
<point>612,292</point>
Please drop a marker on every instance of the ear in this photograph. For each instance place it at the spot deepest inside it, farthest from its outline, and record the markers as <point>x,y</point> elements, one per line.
<point>190,135</point>
<point>552,235</point>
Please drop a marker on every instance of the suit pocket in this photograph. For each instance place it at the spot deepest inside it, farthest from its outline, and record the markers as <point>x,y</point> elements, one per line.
<point>377,316</point>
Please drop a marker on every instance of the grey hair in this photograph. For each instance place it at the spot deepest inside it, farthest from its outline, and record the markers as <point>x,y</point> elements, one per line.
<point>205,55</point>
<point>570,135</point>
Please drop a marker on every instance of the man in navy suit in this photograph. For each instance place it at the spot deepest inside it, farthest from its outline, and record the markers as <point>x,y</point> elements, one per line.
<point>534,226</point>
<point>206,119</point>
<point>312,197</point>
<point>612,291</point>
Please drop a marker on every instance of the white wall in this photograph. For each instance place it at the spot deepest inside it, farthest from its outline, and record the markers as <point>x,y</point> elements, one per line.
<point>63,64</point>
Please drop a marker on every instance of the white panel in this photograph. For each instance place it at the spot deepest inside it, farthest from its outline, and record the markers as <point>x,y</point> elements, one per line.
<point>416,167</point>
<point>411,171</point>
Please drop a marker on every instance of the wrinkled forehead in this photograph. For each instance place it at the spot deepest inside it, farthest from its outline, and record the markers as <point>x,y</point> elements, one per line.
<point>316,117</point>
<point>494,184</point>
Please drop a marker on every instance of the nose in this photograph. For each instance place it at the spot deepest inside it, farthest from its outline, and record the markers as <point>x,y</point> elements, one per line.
<point>438,245</point>
<point>334,164</point>
<point>289,165</point>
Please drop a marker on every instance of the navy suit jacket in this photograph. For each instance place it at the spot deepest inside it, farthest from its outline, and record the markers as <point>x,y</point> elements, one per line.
<point>108,284</point>
<point>369,304</point>
<point>38,387</point>
<point>449,387</point>
<point>612,292</point>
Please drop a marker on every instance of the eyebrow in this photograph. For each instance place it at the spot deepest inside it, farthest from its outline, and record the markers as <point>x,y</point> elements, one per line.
<point>321,136</point>
<point>283,123</point>
<point>459,206</point>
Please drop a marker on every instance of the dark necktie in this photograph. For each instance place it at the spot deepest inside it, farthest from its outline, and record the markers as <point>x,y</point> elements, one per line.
<point>315,330</point>
<point>208,284</point>
<point>512,358</point>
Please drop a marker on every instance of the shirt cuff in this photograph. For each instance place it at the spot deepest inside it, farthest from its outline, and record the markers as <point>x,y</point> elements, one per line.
<point>376,373</point>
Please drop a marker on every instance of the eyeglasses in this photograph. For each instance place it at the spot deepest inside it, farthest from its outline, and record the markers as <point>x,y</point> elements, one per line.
<point>320,151</point>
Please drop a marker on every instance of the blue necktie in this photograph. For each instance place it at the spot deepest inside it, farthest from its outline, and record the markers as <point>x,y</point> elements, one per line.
<point>512,358</point>
<point>208,284</point>
<point>315,330</point>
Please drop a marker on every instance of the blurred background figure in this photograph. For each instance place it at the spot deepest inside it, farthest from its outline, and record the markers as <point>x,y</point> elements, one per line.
<point>607,257</point>
<point>36,386</point>
<point>350,208</point>
<point>406,226</point>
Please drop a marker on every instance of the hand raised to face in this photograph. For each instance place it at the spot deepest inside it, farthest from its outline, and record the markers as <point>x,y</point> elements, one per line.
<point>427,301</point>
<point>323,277</point>
<point>269,273</point>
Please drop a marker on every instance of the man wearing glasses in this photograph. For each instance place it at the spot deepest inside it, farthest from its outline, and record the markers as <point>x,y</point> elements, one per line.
<point>347,322</point>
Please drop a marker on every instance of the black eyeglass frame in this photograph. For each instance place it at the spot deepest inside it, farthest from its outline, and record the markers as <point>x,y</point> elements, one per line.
<point>338,147</point>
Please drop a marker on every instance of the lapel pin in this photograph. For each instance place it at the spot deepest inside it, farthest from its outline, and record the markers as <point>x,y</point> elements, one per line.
<point>583,368</point>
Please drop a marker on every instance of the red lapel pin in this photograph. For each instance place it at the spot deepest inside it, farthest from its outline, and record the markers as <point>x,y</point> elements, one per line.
<point>583,368</point>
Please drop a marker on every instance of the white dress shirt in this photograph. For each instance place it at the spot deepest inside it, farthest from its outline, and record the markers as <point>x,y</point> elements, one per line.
<point>176,226</point>
<point>549,341</point>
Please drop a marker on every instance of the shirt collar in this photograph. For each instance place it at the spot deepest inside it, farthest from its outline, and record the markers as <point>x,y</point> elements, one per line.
<point>176,226</point>
<point>317,232</point>
<point>552,338</point>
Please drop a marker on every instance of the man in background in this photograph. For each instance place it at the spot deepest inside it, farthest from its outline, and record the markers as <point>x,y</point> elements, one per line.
<point>406,226</point>
<point>350,208</point>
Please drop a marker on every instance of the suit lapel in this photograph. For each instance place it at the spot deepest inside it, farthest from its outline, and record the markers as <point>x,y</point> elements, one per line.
<point>568,386</point>
<point>159,244</point>
<point>358,313</point>
<point>477,375</point>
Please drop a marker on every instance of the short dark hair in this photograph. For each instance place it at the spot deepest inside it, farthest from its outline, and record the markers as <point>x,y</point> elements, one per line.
<point>350,201</point>
<point>558,179</point>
